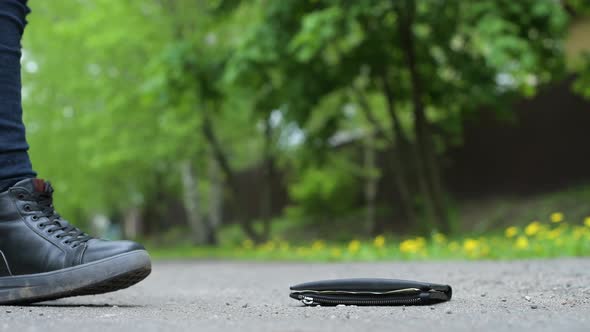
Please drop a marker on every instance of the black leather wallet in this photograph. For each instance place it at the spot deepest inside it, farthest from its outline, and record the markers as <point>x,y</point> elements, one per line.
<point>370,292</point>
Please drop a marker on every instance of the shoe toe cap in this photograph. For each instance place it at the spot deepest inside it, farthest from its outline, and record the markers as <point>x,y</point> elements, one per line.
<point>101,249</point>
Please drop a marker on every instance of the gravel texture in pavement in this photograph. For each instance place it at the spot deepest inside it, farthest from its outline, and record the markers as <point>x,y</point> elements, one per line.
<point>539,295</point>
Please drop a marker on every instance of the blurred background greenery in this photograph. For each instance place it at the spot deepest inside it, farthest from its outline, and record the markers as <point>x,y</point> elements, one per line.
<point>320,129</point>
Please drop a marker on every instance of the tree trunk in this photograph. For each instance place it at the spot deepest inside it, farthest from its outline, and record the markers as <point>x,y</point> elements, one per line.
<point>269,176</point>
<point>424,136</point>
<point>191,201</point>
<point>215,211</point>
<point>407,154</point>
<point>397,156</point>
<point>230,177</point>
<point>371,181</point>
<point>132,223</point>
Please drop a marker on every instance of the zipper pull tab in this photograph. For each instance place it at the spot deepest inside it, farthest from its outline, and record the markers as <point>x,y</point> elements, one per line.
<point>306,300</point>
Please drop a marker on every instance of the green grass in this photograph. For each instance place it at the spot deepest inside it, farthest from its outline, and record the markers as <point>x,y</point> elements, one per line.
<point>555,238</point>
<point>484,235</point>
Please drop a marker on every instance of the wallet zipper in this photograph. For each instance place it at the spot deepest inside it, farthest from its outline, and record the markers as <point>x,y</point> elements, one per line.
<point>308,300</point>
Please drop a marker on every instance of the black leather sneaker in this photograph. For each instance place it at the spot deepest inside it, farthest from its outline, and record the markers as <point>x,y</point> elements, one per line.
<point>43,257</point>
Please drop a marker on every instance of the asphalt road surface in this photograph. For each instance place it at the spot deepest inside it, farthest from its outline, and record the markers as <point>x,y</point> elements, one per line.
<point>540,295</point>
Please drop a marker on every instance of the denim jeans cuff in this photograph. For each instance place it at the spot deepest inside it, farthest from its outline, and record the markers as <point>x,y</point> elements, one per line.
<point>14,165</point>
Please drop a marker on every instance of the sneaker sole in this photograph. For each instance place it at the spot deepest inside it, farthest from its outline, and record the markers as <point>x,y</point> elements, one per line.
<point>99,277</point>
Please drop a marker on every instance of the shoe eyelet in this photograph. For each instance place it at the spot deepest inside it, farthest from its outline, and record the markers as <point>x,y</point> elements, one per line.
<point>20,196</point>
<point>41,225</point>
<point>34,218</point>
<point>27,208</point>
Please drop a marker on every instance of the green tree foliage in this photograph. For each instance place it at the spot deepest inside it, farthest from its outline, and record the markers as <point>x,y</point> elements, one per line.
<point>434,60</point>
<point>580,11</point>
<point>131,102</point>
<point>85,65</point>
<point>582,85</point>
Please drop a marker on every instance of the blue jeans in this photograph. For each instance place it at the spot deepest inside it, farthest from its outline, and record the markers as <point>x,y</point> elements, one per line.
<point>14,160</point>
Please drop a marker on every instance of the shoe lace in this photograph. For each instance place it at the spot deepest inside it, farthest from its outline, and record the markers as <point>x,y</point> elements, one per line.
<point>74,236</point>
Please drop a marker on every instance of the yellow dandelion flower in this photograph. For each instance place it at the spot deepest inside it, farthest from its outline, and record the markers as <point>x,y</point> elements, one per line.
<point>354,246</point>
<point>407,246</point>
<point>470,245</point>
<point>554,234</point>
<point>511,232</point>
<point>318,245</point>
<point>379,241</point>
<point>556,217</point>
<point>522,242</point>
<point>411,246</point>
<point>587,221</point>
<point>532,228</point>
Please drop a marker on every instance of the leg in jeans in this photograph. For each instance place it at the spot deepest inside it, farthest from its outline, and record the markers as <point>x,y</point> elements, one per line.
<point>42,256</point>
<point>14,160</point>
